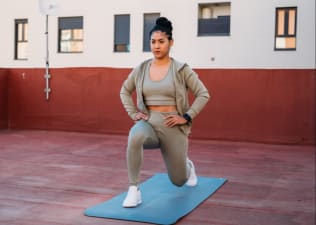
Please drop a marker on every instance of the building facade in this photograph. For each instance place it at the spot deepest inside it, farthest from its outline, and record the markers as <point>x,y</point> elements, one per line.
<point>249,41</point>
<point>256,57</point>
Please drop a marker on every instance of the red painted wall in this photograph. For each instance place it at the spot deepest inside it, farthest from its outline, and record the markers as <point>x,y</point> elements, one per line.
<point>275,106</point>
<point>272,106</point>
<point>3,98</point>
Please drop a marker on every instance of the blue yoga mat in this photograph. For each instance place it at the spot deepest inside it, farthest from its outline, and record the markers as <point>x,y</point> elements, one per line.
<point>162,202</point>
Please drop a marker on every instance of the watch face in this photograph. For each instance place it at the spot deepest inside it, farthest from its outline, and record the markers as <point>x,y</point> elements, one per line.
<point>187,117</point>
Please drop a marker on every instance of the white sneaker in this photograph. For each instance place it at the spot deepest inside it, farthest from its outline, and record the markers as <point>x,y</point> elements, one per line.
<point>133,197</point>
<point>192,180</point>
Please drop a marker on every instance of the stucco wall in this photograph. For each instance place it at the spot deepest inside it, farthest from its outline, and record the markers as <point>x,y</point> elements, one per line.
<point>250,44</point>
<point>273,106</point>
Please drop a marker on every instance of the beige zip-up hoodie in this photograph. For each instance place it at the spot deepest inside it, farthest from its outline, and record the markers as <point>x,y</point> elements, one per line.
<point>184,79</point>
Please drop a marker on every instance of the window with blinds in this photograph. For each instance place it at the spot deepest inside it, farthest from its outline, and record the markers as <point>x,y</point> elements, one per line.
<point>214,19</point>
<point>70,34</point>
<point>149,23</point>
<point>121,33</point>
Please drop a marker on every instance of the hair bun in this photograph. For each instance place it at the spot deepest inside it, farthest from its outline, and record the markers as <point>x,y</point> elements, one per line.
<point>164,25</point>
<point>164,22</point>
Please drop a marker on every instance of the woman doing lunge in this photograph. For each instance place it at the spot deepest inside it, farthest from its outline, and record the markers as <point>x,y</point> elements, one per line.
<point>163,115</point>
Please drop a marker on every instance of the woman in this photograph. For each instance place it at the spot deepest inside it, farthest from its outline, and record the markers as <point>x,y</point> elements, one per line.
<point>163,115</point>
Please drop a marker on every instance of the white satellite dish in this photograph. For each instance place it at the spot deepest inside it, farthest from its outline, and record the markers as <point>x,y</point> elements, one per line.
<point>48,7</point>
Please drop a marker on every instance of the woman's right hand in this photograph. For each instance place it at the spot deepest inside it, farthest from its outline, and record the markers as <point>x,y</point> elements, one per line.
<point>140,116</point>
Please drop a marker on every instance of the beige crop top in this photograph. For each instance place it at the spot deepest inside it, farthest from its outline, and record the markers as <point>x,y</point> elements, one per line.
<point>160,92</point>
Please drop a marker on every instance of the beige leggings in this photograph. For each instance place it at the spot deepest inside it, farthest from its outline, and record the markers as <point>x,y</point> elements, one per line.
<point>172,142</point>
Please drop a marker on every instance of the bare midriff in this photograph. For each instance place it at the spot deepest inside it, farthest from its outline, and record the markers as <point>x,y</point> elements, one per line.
<point>162,108</point>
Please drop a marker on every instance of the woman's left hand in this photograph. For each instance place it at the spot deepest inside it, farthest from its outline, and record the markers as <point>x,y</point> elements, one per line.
<point>172,120</point>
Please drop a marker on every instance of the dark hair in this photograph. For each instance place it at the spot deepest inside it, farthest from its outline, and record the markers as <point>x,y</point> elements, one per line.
<point>163,25</point>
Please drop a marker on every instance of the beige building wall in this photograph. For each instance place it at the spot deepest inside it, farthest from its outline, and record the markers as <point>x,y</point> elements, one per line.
<point>250,44</point>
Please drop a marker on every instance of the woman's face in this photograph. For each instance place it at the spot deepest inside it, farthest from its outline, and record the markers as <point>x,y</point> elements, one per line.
<point>160,44</point>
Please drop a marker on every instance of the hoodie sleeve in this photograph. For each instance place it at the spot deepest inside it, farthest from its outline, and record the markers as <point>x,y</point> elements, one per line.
<point>198,89</point>
<point>126,92</point>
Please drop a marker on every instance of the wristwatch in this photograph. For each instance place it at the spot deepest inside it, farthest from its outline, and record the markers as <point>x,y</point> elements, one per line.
<point>187,117</point>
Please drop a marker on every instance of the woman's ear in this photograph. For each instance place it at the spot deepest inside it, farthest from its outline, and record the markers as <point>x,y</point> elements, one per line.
<point>171,42</point>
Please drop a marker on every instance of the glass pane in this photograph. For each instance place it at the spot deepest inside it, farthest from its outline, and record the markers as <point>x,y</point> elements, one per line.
<point>280,43</point>
<point>121,48</point>
<point>25,32</point>
<point>149,22</point>
<point>20,32</point>
<point>76,46</point>
<point>71,46</point>
<point>78,34</point>
<point>285,43</point>
<point>291,29</point>
<point>22,50</point>
<point>65,35</point>
<point>206,12</point>
<point>280,22</point>
<point>290,42</point>
<point>214,19</point>
<point>65,46</point>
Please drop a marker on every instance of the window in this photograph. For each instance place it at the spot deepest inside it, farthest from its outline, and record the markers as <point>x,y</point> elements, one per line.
<point>70,34</point>
<point>214,19</point>
<point>285,29</point>
<point>121,33</point>
<point>149,23</point>
<point>21,41</point>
